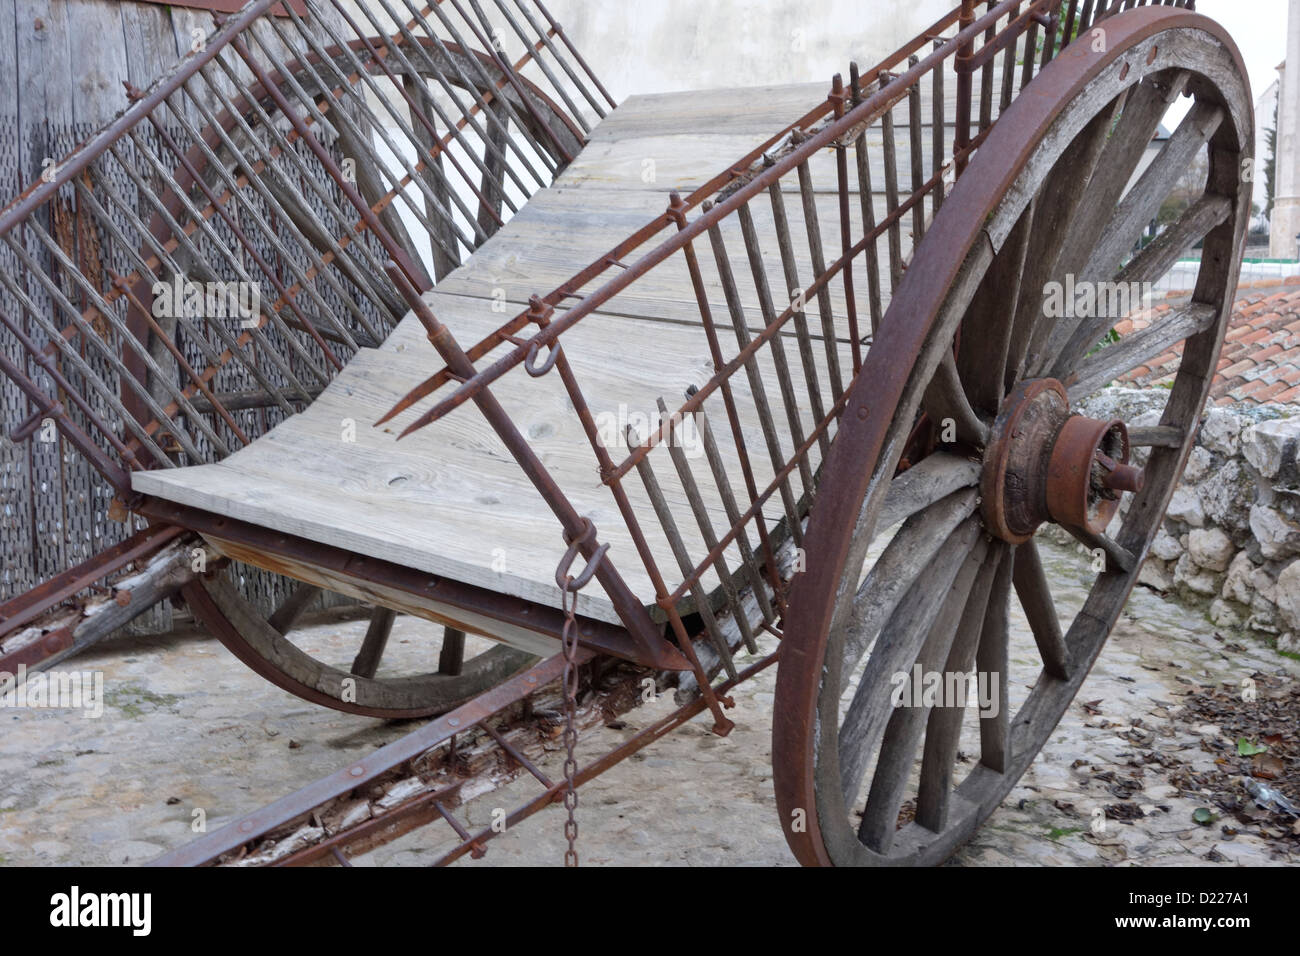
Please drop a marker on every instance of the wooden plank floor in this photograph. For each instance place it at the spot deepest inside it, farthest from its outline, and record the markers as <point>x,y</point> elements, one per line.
<point>449,499</point>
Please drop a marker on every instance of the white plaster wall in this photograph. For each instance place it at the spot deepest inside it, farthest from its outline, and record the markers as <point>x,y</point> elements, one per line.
<point>652,46</point>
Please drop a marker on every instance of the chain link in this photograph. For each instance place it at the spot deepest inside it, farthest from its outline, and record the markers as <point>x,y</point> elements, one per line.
<point>569,643</point>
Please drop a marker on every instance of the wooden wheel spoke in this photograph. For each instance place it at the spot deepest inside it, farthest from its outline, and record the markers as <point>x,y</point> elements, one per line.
<point>981,355</point>
<point>1157,436</point>
<point>943,731</point>
<point>992,658</point>
<point>1141,203</point>
<point>930,480</point>
<point>945,399</point>
<point>287,614</point>
<point>909,555</point>
<point>375,643</point>
<point>899,643</point>
<point>1043,202</point>
<point>1036,599</point>
<point>1192,226</point>
<point>1147,266</point>
<point>1056,208</point>
<point>1118,557</point>
<point>906,723</point>
<point>1143,108</point>
<point>1139,348</point>
<point>451,659</point>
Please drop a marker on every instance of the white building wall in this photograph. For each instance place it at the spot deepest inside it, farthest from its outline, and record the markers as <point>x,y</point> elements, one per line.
<point>659,46</point>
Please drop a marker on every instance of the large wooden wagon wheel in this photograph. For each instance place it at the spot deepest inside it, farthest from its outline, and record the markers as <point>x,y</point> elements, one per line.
<point>265,644</point>
<point>859,780</point>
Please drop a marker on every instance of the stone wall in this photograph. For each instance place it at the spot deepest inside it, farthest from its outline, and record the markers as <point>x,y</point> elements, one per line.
<point>1231,536</point>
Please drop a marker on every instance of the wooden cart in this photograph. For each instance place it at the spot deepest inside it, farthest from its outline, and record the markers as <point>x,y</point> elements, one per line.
<point>794,390</point>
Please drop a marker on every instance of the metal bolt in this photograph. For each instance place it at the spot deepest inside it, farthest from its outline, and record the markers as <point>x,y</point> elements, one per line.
<point>1124,478</point>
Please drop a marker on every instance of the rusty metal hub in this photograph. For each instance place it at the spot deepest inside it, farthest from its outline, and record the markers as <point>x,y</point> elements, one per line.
<point>1044,464</point>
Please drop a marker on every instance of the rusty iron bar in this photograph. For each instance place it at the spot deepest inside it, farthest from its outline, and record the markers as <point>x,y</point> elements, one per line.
<point>664,512</point>
<point>541,62</point>
<point>749,559</point>
<point>422,806</point>
<point>629,608</point>
<point>393,45</point>
<point>545,36</point>
<point>167,235</point>
<point>380,58</point>
<point>113,472</point>
<point>319,264</point>
<point>210,232</point>
<point>780,364</point>
<point>677,209</point>
<point>283,149</point>
<point>781,475</point>
<point>594,769</point>
<point>790,272</point>
<point>60,299</point>
<point>655,226</point>
<point>758,391</point>
<point>450,27</point>
<point>729,368</point>
<point>696,501</point>
<point>209,848</point>
<point>357,137</point>
<point>577,55</point>
<point>508,70</point>
<point>846,229</point>
<point>74,356</point>
<point>892,90</point>
<point>233,194</point>
<point>479,103</point>
<point>30,605</point>
<point>866,199</point>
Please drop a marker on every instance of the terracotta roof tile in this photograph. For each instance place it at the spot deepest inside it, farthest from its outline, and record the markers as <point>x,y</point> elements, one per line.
<point>1260,360</point>
<point>1269,391</point>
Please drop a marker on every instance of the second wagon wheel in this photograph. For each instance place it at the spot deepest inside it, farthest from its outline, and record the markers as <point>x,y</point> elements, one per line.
<point>859,780</point>
<point>355,685</point>
<point>242,135</point>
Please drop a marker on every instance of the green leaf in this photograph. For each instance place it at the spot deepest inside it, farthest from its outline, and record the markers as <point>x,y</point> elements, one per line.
<point>1247,748</point>
<point>1204,816</point>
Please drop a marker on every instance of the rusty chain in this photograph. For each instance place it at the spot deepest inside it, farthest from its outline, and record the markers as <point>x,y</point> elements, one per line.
<point>569,643</point>
<point>569,587</point>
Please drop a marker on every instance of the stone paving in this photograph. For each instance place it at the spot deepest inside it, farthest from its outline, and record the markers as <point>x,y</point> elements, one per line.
<point>186,728</point>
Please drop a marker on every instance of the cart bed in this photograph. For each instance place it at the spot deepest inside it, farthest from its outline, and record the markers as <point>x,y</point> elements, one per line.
<point>449,499</point>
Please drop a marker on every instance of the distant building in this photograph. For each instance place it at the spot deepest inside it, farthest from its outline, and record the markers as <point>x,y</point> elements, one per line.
<point>1285,221</point>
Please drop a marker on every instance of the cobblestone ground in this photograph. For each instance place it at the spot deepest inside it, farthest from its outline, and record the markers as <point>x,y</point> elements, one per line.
<point>187,728</point>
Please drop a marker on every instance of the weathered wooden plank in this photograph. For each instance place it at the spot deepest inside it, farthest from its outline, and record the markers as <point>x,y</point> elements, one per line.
<point>561,231</point>
<point>1132,350</point>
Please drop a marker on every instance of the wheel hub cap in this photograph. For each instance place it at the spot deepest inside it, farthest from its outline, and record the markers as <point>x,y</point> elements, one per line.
<point>1044,464</point>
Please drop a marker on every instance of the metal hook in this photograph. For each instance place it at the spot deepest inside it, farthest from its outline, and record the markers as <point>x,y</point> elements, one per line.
<point>535,370</point>
<point>566,581</point>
